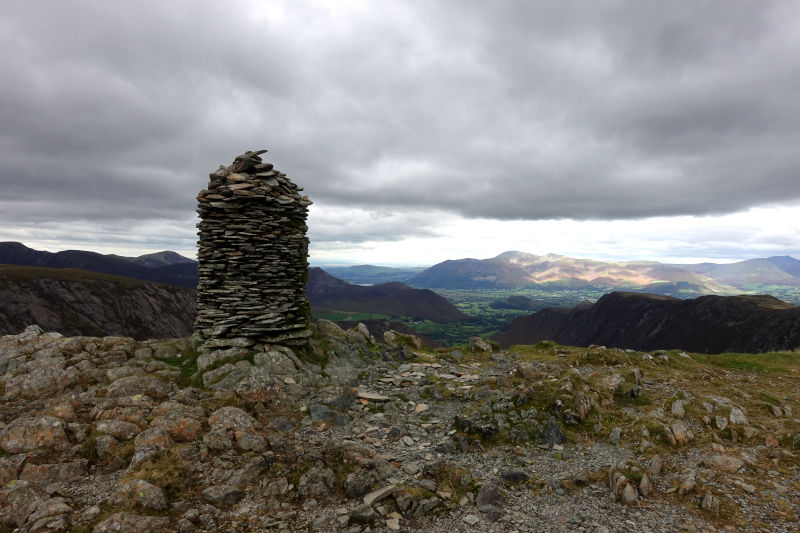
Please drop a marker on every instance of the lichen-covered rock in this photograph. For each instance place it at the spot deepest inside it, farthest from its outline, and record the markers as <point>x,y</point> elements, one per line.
<point>18,501</point>
<point>54,473</point>
<point>231,418</point>
<point>214,357</point>
<point>258,387</point>
<point>50,515</point>
<point>40,383</point>
<point>154,436</point>
<point>275,363</point>
<point>11,466</point>
<point>118,428</point>
<point>141,493</point>
<point>138,385</point>
<point>26,434</point>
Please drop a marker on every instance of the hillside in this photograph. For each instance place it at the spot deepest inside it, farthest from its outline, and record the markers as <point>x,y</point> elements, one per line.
<point>79,302</point>
<point>163,267</point>
<point>518,270</point>
<point>709,324</point>
<point>326,292</point>
<point>753,272</point>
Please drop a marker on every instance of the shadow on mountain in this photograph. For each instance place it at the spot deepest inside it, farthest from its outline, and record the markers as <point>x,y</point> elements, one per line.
<point>709,324</point>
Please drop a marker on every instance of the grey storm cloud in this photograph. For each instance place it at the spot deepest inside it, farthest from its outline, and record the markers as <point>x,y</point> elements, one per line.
<point>510,110</point>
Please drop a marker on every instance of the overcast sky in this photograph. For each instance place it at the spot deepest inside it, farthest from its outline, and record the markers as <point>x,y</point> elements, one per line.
<point>421,130</point>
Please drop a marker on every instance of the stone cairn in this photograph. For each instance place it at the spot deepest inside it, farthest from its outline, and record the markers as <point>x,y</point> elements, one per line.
<point>253,257</point>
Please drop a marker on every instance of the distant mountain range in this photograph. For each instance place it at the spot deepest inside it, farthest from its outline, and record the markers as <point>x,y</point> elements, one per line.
<point>709,324</point>
<point>79,302</point>
<point>326,292</point>
<point>163,267</point>
<point>519,270</point>
<point>509,270</point>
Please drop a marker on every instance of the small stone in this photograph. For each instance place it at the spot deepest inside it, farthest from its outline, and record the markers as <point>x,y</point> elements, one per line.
<point>363,513</point>
<point>514,476</point>
<point>737,417</point>
<point>478,345</point>
<point>629,494</point>
<point>678,409</point>
<point>378,495</point>
<point>645,487</point>
<point>726,463</point>
<point>223,494</point>
<point>615,435</point>
<point>318,481</point>
<point>471,519</point>
<point>553,433</point>
<point>421,408</point>
<point>372,396</point>
<point>681,432</point>
<point>655,464</point>
<point>687,485</point>
<point>710,503</point>
<point>489,494</point>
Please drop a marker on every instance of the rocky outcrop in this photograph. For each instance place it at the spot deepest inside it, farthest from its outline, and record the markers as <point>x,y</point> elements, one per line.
<point>709,324</point>
<point>253,249</point>
<point>362,437</point>
<point>78,302</point>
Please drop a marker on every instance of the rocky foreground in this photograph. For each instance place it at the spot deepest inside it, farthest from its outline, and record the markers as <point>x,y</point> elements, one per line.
<point>109,434</point>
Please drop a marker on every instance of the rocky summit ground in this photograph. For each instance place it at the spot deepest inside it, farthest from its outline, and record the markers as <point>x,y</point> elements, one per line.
<point>110,434</point>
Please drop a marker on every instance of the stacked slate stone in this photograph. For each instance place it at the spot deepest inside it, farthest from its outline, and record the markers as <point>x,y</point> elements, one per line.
<point>252,253</point>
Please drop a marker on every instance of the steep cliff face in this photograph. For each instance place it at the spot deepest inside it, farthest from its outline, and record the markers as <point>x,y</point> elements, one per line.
<point>710,324</point>
<point>79,302</point>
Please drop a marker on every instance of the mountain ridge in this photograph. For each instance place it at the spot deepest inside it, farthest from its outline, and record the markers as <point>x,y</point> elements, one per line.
<point>514,269</point>
<point>162,267</point>
<point>708,324</point>
<point>394,298</point>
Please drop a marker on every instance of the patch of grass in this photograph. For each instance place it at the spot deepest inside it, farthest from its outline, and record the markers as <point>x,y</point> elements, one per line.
<point>347,316</point>
<point>186,363</point>
<point>762,363</point>
<point>88,448</point>
<point>316,353</point>
<point>455,480</point>
<point>768,398</point>
<point>165,470</point>
<point>623,394</point>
